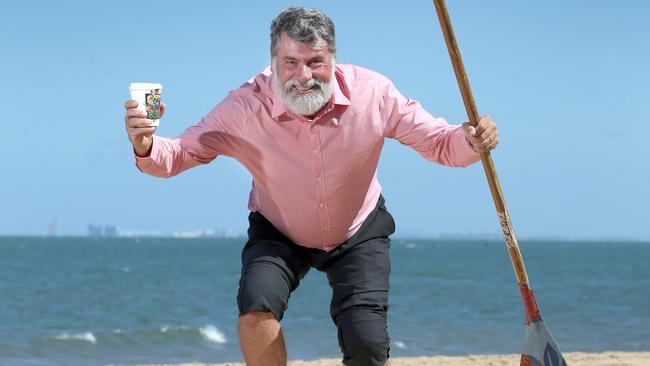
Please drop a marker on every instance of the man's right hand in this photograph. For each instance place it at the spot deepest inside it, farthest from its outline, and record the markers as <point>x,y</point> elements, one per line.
<point>138,129</point>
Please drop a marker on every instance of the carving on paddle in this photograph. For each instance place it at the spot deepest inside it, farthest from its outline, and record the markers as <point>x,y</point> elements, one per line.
<point>508,231</point>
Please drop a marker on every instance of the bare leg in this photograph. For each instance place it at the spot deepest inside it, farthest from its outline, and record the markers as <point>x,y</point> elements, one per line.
<point>261,340</point>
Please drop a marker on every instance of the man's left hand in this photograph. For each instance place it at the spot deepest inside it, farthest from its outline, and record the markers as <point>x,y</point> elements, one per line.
<point>484,137</point>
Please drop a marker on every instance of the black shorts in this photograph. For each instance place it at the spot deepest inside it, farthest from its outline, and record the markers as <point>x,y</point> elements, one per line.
<point>358,272</point>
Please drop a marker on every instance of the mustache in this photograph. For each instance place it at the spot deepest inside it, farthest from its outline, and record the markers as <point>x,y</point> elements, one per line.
<point>311,83</point>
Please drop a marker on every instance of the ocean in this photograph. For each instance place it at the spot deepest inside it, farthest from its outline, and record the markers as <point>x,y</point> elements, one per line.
<point>128,301</point>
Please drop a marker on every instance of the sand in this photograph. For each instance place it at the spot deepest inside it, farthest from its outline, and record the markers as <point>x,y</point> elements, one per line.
<point>572,359</point>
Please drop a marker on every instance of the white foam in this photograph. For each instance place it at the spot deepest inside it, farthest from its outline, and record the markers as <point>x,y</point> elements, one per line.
<point>399,344</point>
<point>167,328</point>
<point>87,337</point>
<point>212,334</point>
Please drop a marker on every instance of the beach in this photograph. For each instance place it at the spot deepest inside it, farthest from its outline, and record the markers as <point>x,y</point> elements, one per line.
<point>572,359</point>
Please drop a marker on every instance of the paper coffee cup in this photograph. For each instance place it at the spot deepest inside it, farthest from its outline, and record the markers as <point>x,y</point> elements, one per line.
<point>148,97</point>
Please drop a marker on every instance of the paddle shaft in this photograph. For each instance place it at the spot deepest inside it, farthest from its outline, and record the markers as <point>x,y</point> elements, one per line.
<point>486,158</point>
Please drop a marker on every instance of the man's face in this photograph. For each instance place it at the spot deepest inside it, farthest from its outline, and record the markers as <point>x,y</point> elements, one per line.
<point>303,74</point>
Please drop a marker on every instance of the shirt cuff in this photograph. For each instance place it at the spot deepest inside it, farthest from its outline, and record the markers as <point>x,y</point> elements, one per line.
<point>470,144</point>
<point>467,147</point>
<point>147,161</point>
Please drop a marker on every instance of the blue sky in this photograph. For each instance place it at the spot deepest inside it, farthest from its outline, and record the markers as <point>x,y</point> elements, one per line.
<point>567,83</point>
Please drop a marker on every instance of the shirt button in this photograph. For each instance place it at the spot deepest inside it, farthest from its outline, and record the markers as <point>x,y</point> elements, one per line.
<point>316,152</point>
<point>322,205</point>
<point>325,228</point>
<point>319,179</point>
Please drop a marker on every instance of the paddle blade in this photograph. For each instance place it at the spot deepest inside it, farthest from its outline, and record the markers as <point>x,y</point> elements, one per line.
<point>540,348</point>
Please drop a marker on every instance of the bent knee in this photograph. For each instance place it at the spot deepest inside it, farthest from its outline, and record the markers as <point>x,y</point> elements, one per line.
<point>263,289</point>
<point>367,352</point>
<point>363,337</point>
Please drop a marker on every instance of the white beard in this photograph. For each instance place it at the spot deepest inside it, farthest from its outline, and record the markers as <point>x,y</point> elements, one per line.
<point>304,104</point>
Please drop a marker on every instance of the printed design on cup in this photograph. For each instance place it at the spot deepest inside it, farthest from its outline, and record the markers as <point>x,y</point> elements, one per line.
<point>152,102</point>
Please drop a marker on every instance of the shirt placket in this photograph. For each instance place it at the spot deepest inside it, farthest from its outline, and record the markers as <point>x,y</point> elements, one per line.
<point>319,180</point>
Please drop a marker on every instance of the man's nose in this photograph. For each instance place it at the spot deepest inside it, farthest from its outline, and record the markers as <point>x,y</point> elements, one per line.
<point>303,74</point>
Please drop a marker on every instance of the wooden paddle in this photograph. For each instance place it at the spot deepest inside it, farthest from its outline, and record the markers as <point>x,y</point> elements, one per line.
<point>539,347</point>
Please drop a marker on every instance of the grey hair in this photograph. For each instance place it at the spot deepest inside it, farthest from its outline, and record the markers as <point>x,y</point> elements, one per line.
<point>303,25</point>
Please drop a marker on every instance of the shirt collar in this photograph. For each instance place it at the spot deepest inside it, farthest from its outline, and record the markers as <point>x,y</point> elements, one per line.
<point>338,96</point>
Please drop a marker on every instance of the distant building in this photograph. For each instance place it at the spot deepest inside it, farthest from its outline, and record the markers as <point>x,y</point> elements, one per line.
<point>51,228</point>
<point>102,231</point>
<point>94,230</point>
<point>110,231</point>
<point>232,234</point>
<point>210,233</point>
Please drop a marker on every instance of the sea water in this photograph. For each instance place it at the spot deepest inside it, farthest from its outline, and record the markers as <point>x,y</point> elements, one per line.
<point>127,301</point>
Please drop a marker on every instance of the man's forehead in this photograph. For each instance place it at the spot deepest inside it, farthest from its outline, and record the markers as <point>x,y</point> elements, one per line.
<point>289,46</point>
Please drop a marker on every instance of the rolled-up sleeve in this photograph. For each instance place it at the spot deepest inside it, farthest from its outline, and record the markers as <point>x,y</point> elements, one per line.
<point>218,133</point>
<point>434,138</point>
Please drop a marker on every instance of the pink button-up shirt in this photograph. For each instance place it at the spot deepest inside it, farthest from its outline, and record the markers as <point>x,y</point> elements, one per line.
<point>314,180</point>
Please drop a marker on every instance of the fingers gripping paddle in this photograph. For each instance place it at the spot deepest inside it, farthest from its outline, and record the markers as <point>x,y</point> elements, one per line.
<point>539,347</point>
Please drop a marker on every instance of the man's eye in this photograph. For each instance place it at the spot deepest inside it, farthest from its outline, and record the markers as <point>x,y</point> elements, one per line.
<point>290,62</point>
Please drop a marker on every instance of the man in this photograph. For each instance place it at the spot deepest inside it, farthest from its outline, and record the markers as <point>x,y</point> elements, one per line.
<point>310,132</point>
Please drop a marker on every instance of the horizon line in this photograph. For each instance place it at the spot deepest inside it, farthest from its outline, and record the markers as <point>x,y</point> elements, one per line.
<point>451,237</point>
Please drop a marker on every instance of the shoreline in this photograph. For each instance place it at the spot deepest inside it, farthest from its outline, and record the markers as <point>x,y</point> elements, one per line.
<point>572,359</point>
